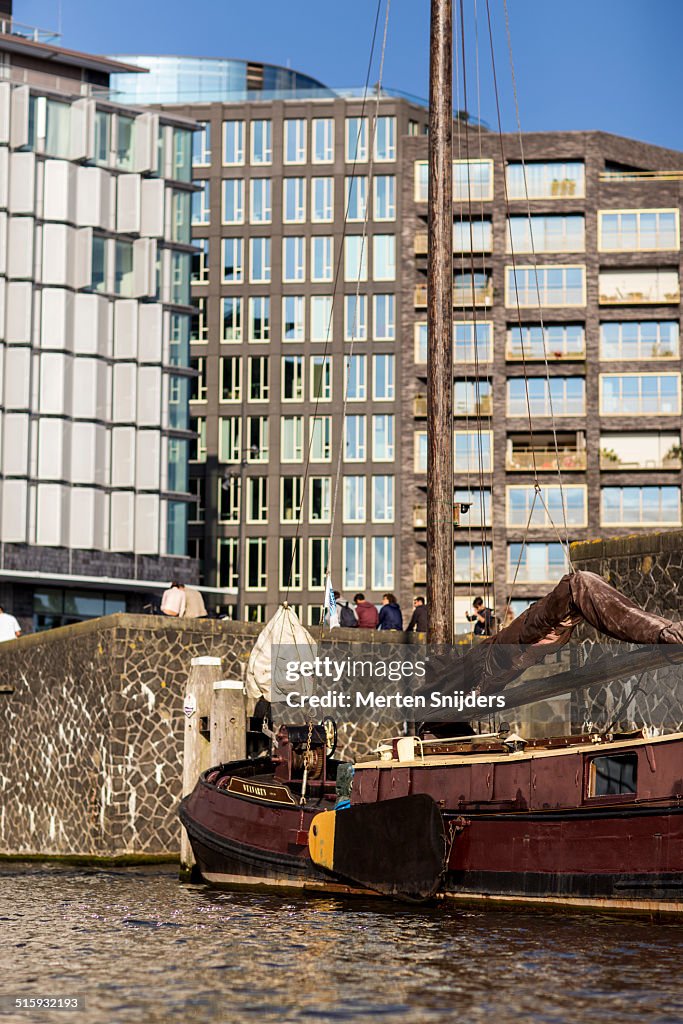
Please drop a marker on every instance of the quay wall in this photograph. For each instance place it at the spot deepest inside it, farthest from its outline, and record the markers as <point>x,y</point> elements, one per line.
<point>91,731</point>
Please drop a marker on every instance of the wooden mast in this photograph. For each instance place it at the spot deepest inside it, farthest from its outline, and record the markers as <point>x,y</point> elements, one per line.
<point>440,328</point>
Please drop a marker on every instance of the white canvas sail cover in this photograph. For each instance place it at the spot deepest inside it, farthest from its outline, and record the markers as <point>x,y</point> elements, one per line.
<point>284,629</point>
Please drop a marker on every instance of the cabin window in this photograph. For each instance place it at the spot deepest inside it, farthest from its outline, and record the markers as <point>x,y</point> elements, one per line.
<point>615,775</point>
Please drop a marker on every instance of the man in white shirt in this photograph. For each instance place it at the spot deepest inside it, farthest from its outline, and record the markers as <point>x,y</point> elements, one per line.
<point>9,627</point>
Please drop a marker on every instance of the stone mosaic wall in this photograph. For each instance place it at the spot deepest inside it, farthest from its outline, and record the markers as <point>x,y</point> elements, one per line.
<point>648,568</point>
<point>92,725</point>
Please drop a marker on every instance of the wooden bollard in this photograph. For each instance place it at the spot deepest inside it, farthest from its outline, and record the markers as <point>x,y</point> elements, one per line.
<point>204,672</point>
<point>228,721</point>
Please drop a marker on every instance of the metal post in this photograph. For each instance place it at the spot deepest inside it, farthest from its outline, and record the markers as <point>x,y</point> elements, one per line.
<point>440,328</point>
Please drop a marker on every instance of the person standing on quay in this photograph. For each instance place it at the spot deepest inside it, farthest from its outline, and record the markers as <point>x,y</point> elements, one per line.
<point>366,613</point>
<point>9,627</point>
<point>173,600</point>
<point>419,621</point>
<point>390,616</point>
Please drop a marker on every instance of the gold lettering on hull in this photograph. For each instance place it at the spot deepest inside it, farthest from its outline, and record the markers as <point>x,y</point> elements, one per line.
<point>260,791</point>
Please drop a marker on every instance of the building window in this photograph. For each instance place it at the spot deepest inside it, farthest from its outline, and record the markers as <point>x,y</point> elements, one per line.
<point>229,499</point>
<point>292,378</point>
<point>198,389</point>
<point>384,317</point>
<point>384,378</point>
<point>353,568</point>
<point>640,506</point>
<point>384,207</point>
<point>260,204</point>
<point>420,451</point>
<point>546,234</point>
<point>383,499</point>
<point>472,563</point>
<point>472,342</point>
<point>261,142</point>
<point>294,258</point>
<point>546,180</point>
<point>259,260</point>
<point>356,198</point>
<point>293,317</point>
<point>321,378</point>
<point>125,146</point>
<point>255,612</point>
<point>233,201</point>
<point>354,499</point>
<point>355,258</point>
<point>257,563</point>
<point>257,438</point>
<point>640,394</point>
<point>638,230</point>
<point>561,396</point>
<point>230,378</point>
<point>291,494</point>
<point>201,204</point>
<point>321,438</point>
<point>295,140</point>
<point>318,555</point>
<point>420,345</point>
<point>323,140</point>
<point>178,399</point>
<point>181,217</point>
<point>356,140</point>
<point>290,563</point>
<point>179,340</point>
<point>320,499</point>
<point>647,450</point>
<point>322,258</point>
<point>479,512</point>
<point>536,563</point>
<point>200,262</point>
<point>321,317</point>
<point>552,341</point>
<point>233,143</point>
<point>472,236</point>
<point>201,144</point>
<point>259,319</point>
<point>180,275</point>
<point>258,379</point>
<point>233,261</point>
<point>639,339</point>
<point>472,180</point>
<point>322,200</point>
<point>472,289</point>
<point>355,376</point>
<point>638,287</point>
<point>293,200</point>
<point>123,268</point>
<point>291,438</point>
<point>548,507</point>
<point>354,438</point>
<point>198,443</point>
<point>355,318</point>
<point>472,398</point>
<point>384,258</point>
<point>228,562</point>
<point>383,437</point>
<point>230,439</point>
<point>197,507</point>
<point>382,563</point>
<point>257,499</point>
<point>102,137</point>
<point>473,451</point>
<point>231,316</point>
<point>545,286</point>
<point>385,138</point>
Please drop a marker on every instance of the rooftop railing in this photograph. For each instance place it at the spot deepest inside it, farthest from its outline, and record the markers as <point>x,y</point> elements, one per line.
<point>9,27</point>
<point>621,176</point>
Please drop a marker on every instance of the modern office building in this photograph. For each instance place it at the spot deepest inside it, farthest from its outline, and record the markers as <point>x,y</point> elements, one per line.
<point>95,311</point>
<point>297,297</point>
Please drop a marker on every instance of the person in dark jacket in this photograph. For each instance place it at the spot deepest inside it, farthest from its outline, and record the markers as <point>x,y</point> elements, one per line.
<point>366,613</point>
<point>390,616</point>
<point>419,621</point>
<point>482,618</point>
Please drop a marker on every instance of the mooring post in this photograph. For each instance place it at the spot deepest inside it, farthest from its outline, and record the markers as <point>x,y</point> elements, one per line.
<point>204,672</point>
<point>228,721</point>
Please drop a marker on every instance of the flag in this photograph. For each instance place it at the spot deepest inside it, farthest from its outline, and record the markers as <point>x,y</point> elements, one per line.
<point>331,604</point>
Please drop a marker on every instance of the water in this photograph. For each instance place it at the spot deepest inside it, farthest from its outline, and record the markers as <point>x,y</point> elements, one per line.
<point>142,948</point>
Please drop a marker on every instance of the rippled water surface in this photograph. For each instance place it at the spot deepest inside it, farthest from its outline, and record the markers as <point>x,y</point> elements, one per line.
<point>140,947</point>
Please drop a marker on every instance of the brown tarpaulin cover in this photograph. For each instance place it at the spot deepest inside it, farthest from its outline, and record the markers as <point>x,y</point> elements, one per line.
<point>547,626</point>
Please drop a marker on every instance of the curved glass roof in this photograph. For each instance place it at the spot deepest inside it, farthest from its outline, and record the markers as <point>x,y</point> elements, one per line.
<point>210,79</point>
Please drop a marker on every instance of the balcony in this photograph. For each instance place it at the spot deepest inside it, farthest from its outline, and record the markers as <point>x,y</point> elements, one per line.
<point>524,453</point>
<point>420,517</point>
<point>420,407</point>
<point>534,353</point>
<point>462,296</point>
<point>421,248</point>
<point>478,240</point>
<point>484,407</point>
<point>609,460</point>
<point>420,573</point>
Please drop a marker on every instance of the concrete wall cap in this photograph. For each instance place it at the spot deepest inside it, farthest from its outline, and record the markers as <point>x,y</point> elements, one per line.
<point>228,684</point>
<point>206,660</point>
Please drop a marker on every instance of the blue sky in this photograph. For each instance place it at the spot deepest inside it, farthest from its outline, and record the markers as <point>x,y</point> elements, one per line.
<point>605,64</point>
